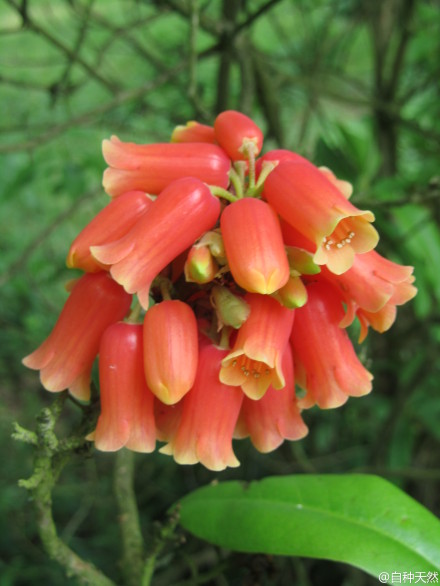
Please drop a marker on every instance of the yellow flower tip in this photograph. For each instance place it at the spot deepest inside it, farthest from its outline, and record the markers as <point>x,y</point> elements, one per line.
<point>337,261</point>
<point>255,389</point>
<point>90,437</point>
<point>265,284</point>
<point>144,297</point>
<point>254,376</point>
<point>167,450</point>
<point>177,130</point>
<point>70,260</point>
<point>80,389</point>
<point>165,395</point>
<point>351,235</point>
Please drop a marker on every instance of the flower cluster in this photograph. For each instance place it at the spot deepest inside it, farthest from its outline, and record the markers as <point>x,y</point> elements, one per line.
<point>214,280</point>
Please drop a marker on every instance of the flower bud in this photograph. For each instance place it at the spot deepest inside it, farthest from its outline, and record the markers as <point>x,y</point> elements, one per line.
<point>236,133</point>
<point>214,240</point>
<point>254,246</point>
<point>231,310</point>
<point>301,262</point>
<point>200,266</point>
<point>170,350</point>
<point>293,294</point>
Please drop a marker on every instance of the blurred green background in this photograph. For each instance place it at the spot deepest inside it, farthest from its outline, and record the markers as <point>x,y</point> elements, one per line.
<point>350,84</point>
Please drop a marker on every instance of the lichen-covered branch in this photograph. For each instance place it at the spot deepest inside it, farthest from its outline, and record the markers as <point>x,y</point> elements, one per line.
<point>50,457</point>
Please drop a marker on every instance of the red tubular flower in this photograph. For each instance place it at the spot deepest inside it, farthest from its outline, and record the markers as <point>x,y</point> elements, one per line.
<point>66,357</point>
<point>209,415</point>
<point>278,156</point>
<point>180,215</point>
<point>372,283</point>
<point>344,187</point>
<point>381,320</point>
<point>254,246</point>
<point>193,132</point>
<point>110,224</point>
<point>326,365</point>
<point>153,167</point>
<point>235,132</point>
<point>170,350</point>
<point>255,360</point>
<point>310,203</point>
<point>276,416</point>
<point>127,416</point>
<point>167,419</point>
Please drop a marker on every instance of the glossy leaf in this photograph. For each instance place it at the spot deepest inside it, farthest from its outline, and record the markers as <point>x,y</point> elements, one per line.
<point>361,520</point>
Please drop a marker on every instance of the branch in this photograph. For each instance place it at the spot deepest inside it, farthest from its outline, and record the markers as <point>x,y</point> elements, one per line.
<point>32,25</point>
<point>208,24</point>
<point>62,83</point>
<point>396,68</point>
<point>36,242</point>
<point>166,534</point>
<point>254,16</point>
<point>89,116</point>
<point>132,541</point>
<point>50,458</point>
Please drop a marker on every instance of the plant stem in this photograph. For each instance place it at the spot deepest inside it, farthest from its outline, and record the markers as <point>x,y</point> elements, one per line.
<point>220,192</point>
<point>132,541</point>
<point>165,535</point>
<point>236,182</point>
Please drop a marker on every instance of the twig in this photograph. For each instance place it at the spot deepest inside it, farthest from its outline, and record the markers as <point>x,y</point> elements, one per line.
<point>58,86</point>
<point>89,116</point>
<point>40,238</point>
<point>166,534</point>
<point>32,25</point>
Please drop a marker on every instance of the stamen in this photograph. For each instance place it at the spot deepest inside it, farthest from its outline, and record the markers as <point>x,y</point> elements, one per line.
<point>328,242</point>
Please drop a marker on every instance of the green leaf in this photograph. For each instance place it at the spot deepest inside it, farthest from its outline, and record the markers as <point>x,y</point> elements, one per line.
<point>361,520</point>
